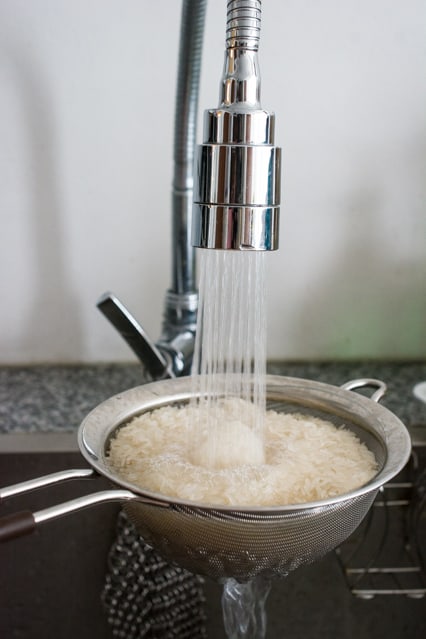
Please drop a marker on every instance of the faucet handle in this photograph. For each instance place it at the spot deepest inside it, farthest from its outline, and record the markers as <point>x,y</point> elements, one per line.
<point>156,362</point>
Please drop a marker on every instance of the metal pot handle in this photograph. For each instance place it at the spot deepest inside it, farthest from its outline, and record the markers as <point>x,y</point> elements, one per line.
<point>365,381</point>
<point>25,522</point>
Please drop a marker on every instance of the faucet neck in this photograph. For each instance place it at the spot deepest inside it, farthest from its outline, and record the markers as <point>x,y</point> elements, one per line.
<point>241,77</point>
<point>240,86</point>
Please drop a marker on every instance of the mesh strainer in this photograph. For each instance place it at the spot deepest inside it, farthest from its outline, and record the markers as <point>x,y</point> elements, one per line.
<point>244,542</point>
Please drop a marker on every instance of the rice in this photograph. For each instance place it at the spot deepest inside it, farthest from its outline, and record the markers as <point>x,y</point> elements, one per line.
<point>303,459</point>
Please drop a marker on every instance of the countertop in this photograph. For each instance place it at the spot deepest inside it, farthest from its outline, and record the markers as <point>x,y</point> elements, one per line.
<point>55,398</point>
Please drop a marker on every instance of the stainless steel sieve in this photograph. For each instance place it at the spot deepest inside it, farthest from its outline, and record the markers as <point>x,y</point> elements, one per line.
<point>222,542</point>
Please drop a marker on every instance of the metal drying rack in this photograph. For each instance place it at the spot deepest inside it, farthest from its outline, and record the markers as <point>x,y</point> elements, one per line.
<point>386,555</point>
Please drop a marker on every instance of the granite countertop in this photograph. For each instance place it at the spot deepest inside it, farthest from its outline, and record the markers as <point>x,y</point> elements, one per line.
<point>56,398</point>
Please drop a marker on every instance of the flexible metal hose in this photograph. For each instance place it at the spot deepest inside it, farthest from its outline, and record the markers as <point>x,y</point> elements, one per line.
<point>186,109</point>
<point>181,301</point>
<point>243,24</point>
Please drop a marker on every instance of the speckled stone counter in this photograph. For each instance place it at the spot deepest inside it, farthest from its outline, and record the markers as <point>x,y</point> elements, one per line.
<point>56,398</point>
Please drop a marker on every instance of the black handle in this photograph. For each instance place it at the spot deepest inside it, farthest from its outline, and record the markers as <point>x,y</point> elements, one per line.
<point>16,525</point>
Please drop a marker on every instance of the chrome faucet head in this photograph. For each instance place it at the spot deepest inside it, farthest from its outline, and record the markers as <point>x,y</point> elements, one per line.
<point>237,173</point>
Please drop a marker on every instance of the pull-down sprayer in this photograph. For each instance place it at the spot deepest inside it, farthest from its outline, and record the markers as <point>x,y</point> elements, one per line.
<point>237,181</point>
<point>237,193</point>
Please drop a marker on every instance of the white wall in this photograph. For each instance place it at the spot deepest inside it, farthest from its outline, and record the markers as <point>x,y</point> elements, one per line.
<point>86,115</point>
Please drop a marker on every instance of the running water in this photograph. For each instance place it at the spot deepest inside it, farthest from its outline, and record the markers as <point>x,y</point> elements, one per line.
<point>243,606</point>
<point>230,356</point>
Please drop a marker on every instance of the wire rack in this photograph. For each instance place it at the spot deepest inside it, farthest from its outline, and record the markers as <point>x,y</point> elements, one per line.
<point>387,554</point>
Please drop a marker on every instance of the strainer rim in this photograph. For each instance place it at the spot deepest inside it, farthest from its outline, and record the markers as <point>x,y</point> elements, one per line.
<point>146,397</point>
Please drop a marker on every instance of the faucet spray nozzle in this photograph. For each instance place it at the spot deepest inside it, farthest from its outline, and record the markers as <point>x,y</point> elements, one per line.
<point>237,174</point>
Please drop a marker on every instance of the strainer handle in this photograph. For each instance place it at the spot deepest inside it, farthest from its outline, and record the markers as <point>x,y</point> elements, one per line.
<point>45,480</point>
<point>365,381</point>
<point>25,521</point>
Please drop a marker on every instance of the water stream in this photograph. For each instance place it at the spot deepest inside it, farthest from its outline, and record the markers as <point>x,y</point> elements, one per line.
<point>243,607</point>
<point>231,347</point>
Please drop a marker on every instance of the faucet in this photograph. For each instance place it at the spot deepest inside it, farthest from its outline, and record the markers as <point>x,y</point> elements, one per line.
<point>231,201</point>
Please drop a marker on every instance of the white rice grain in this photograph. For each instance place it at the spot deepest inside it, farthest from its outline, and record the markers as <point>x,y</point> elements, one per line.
<point>304,459</point>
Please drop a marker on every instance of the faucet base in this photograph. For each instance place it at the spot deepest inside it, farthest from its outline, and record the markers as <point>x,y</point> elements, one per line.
<point>179,325</point>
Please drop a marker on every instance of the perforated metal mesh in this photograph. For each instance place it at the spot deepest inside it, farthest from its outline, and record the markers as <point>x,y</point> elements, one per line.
<point>242,543</point>
<point>219,546</point>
